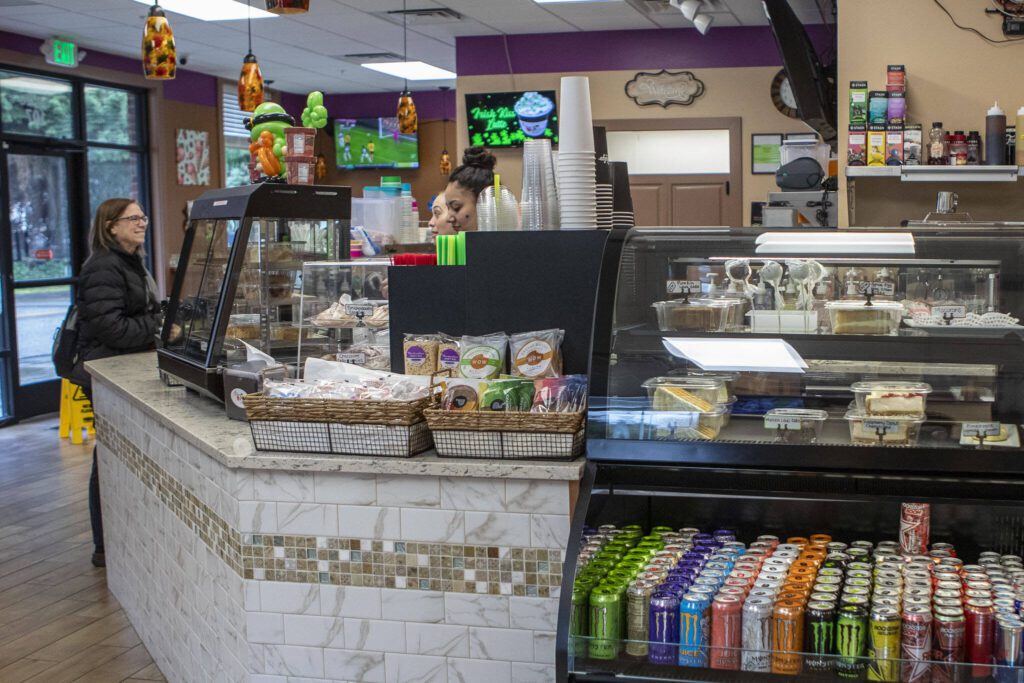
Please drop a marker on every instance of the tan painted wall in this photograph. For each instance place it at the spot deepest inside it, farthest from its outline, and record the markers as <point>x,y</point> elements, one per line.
<point>743,92</point>
<point>952,76</point>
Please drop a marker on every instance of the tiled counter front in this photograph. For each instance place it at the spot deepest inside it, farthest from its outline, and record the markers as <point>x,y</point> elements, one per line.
<point>273,575</point>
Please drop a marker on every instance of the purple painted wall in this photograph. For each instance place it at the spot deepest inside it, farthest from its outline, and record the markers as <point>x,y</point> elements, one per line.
<point>431,105</point>
<point>748,46</point>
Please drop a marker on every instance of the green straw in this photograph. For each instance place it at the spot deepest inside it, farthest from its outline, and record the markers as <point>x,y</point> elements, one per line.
<point>461,244</point>
<point>452,252</point>
<point>437,244</point>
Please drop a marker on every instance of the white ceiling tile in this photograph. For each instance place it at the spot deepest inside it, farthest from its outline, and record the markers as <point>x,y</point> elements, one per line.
<point>602,16</point>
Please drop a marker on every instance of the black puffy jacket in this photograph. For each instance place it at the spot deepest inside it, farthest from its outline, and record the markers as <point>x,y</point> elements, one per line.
<point>117,312</point>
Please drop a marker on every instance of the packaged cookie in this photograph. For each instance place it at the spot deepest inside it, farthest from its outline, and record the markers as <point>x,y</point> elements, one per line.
<point>506,395</point>
<point>537,354</point>
<point>448,354</point>
<point>460,395</point>
<point>560,394</point>
<point>483,357</point>
<point>420,351</point>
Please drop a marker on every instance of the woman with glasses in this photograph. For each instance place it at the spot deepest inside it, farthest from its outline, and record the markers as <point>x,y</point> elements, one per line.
<point>118,308</point>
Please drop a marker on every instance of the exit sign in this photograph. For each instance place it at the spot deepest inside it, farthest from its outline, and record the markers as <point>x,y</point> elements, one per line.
<point>60,52</point>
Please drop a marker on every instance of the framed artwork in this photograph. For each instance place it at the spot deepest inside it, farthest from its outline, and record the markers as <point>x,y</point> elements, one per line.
<point>193,155</point>
<point>765,153</point>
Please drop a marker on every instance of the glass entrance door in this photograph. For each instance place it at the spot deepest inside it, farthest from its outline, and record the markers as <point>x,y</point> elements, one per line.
<point>41,247</point>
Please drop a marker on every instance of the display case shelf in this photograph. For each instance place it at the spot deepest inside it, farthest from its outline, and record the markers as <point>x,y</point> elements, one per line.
<point>938,174</point>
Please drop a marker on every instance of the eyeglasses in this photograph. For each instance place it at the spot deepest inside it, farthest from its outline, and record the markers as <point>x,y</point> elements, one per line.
<point>134,219</point>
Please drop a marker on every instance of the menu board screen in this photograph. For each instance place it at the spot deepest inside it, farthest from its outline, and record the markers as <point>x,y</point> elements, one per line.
<point>507,119</point>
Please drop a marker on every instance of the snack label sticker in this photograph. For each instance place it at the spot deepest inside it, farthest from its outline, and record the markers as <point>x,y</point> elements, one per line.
<point>977,429</point>
<point>949,311</point>
<point>682,286</point>
<point>781,422</point>
<point>480,362</point>
<point>884,426</point>
<point>358,309</point>
<point>534,358</point>
<point>355,358</point>
<point>449,359</point>
<point>416,355</point>
<point>237,394</point>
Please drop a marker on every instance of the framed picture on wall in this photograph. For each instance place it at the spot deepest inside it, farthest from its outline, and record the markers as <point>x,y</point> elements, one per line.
<point>765,153</point>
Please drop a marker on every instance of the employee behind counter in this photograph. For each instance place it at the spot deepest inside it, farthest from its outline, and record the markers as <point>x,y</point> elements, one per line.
<point>454,210</point>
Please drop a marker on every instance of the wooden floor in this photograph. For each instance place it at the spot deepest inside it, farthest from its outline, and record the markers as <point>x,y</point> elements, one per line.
<point>58,622</point>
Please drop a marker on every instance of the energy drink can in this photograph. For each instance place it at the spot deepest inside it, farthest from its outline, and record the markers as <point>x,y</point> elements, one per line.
<point>579,625</point>
<point>694,627</point>
<point>948,644</point>
<point>726,632</point>
<point>884,644</point>
<point>980,617</point>
<point>1008,652</point>
<point>757,634</point>
<point>916,644</point>
<point>787,637</point>
<point>663,628</point>
<point>638,597</point>
<point>605,622</point>
<point>851,640</point>
<point>819,634</point>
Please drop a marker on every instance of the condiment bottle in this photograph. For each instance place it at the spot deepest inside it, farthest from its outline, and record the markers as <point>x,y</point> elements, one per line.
<point>995,136</point>
<point>1020,137</point>
<point>958,149</point>
<point>938,155</point>
<point>973,148</point>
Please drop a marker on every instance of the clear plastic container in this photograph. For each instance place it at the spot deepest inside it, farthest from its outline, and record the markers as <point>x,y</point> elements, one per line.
<point>884,399</point>
<point>893,430</point>
<point>728,379</point>
<point>857,317</point>
<point>701,315</point>
<point>685,393</point>
<point>728,405</point>
<point>795,425</point>
<point>682,425</point>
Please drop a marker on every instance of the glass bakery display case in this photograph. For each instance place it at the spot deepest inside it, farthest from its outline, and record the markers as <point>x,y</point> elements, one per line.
<point>804,459</point>
<point>239,280</point>
<point>344,312</point>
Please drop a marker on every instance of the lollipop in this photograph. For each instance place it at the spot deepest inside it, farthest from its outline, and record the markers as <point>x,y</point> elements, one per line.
<point>771,272</point>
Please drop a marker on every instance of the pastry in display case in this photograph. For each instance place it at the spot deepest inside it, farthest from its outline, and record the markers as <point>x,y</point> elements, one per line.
<point>825,486</point>
<point>239,283</point>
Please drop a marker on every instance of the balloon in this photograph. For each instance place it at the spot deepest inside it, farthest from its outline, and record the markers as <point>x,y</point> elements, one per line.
<point>315,113</point>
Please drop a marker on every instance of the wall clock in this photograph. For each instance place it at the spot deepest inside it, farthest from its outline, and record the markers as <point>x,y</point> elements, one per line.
<point>782,95</point>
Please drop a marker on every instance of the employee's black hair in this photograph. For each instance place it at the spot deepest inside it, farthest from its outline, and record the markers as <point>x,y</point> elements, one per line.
<point>476,171</point>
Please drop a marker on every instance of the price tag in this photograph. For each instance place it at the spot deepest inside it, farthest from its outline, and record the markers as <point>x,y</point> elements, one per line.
<point>877,288</point>
<point>884,426</point>
<point>776,422</point>
<point>949,311</point>
<point>364,309</point>
<point>682,286</point>
<point>673,420</point>
<point>978,429</point>
<point>353,358</point>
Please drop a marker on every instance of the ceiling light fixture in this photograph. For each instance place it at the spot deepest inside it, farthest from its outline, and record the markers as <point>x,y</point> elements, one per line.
<point>411,71</point>
<point>703,22</point>
<point>210,10</point>
<point>159,53</point>
<point>288,6</point>
<point>690,8</point>
<point>408,121</point>
<point>250,81</point>
<point>446,159</point>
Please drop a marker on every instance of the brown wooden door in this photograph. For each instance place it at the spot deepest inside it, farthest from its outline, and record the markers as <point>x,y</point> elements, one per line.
<point>688,200</point>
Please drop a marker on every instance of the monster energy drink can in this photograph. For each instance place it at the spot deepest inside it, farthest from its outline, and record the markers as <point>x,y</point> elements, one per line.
<point>639,598</point>
<point>819,633</point>
<point>694,629</point>
<point>605,622</point>
<point>663,628</point>
<point>757,634</point>
<point>884,644</point>
<point>851,639</point>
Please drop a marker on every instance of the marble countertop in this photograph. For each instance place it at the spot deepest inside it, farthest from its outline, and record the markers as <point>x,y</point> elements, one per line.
<point>202,422</point>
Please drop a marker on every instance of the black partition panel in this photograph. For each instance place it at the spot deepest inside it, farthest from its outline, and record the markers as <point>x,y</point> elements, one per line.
<point>513,282</point>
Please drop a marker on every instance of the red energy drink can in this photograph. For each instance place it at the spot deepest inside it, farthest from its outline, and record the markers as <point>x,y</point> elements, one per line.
<point>948,643</point>
<point>916,644</point>
<point>726,632</point>
<point>980,618</point>
<point>915,525</point>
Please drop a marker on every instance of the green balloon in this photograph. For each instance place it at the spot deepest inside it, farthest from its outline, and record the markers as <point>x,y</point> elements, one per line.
<point>320,112</point>
<point>315,99</point>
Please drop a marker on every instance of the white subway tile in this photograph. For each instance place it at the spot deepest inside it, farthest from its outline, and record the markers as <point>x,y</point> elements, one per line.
<point>497,528</point>
<point>310,519</point>
<point>277,485</point>
<point>408,491</point>
<point>350,601</point>
<point>544,647</point>
<point>312,631</point>
<point>287,660</point>
<point>345,488</point>
<point>532,673</point>
<point>359,521</point>
<point>476,610</point>
<point>257,517</point>
<point>290,598</point>
<point>538,614</point>
<point>473,493</point>
<point>410,605</point>
<point>437,639</point>
<point>478,671</point>
<point>353,665</point>
<point>264,627</point>
<point>240,484</point>
<point>367,634</point>
<point>506,644</point>
<point>537,496</point>
<point>433,526</point>
<point>549,531</point>
<point>415,669</point>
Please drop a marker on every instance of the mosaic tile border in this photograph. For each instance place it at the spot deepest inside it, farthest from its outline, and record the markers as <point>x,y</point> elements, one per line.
<point>459,568</point>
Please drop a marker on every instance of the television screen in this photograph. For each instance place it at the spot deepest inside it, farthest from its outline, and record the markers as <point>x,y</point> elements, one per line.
<point>374,143</point>
<point>507,119</point>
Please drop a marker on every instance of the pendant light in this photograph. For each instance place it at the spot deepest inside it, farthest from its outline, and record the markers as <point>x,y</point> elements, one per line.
<point>408,121</point>
<point>159,54</point>
<point>288,6</point>
<point>250,83</point>
<point>446,159</point>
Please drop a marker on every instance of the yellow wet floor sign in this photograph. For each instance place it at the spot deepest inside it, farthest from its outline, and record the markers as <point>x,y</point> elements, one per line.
<point>75,413</point>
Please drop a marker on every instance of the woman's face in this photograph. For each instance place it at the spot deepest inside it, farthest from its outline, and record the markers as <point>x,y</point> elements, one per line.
<point>439,224</point>
<point>461,208</point>
<point>129,229</point>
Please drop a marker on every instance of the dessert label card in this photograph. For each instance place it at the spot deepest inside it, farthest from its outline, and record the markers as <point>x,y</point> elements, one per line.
<point>737,355</point>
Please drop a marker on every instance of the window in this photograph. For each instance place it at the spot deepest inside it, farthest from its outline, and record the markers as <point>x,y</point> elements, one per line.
<point>236,139</point>
<point>671,152</point>
<point>41,107</point>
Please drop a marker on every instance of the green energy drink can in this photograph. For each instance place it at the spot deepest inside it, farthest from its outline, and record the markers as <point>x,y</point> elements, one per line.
<point>820,635</point>
<point>605,622</point>
<point>579,627</point>
<point>884,644</point>
<point>638,597</point>
<point>851,640</point>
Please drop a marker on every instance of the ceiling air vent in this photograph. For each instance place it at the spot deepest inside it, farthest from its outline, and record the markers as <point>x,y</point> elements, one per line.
<point>425,16</point>
<point>370,57</point>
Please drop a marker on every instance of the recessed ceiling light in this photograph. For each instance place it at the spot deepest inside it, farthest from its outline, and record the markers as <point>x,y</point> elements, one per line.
<point>211,10</point>
<point>411,71</point>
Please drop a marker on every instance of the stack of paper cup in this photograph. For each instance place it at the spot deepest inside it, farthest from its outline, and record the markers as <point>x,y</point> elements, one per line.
<point>577,191</point>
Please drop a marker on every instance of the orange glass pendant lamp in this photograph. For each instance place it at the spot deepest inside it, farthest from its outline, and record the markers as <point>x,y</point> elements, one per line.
<point>159,54</point>
<point>287,6</point>
<point>408,121</point>
<point>250,82</point>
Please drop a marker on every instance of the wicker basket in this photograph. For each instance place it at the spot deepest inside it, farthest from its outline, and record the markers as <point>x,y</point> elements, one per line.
<point>372,428</point>
<point>512,436</point>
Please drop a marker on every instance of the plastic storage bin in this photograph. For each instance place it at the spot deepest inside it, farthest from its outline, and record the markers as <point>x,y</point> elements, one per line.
<point>884,399</point>
<point>858,317</point>
<point>700,315</point>
<point>686,393</point>
<point>894,430</point>
<point>795,425</point>
<point>682,425</point>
